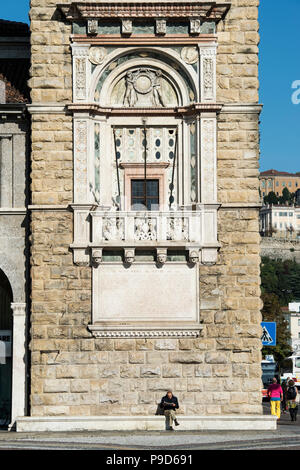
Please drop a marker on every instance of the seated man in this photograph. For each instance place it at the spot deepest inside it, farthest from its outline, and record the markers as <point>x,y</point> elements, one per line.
<point>170,403</point>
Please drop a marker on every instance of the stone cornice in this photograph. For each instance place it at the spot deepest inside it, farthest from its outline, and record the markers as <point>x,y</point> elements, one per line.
<point>242,108</point>
<point>195,108</point>
<point>207,11</point>
<point>158,331</point>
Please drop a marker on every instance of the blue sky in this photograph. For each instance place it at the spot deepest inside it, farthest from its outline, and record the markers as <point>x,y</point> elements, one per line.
<point>279,68</point>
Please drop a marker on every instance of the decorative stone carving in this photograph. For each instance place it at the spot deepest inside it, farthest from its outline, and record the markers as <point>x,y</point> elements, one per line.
<point>208,158</point>
<point>145,229</point>
<point>126,26</point>
<point>190,54</point>
<point>208,78</point>
<point>143,82</point>
<point>195,25</point>
<point>99,332</point>
<point>161,256</point>
<point>92,26</point>
<point>113,229</point>
<point>129,256</point>
<point>80,151</point>
<point>178,228</point>
<point>161,26</point>
<point>97,257</point>
<point>97,55</point>
<point>80,83</point>
<point>193,256</point>
<point>208,74</point>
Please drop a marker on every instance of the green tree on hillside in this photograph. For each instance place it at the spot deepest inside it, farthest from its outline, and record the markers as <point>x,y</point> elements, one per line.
<point>272,312</point>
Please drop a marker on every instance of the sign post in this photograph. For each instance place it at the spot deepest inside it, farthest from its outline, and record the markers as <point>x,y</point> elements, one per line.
<point>268,337</point>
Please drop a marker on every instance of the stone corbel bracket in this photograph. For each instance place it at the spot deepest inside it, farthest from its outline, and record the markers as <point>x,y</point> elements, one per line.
<point>96,257</point>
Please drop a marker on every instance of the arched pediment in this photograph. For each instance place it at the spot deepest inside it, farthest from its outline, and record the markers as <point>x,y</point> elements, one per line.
<point>143,79</point>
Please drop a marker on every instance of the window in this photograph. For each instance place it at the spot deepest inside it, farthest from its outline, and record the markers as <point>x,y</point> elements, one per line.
<point>263,184</point>
<point>297,362</point>
<point>283,183</point>
<point>270,184</point>
<point>290,184</point>
<point>299,322</point>
<point>145,195</point>
<point>277,183</point>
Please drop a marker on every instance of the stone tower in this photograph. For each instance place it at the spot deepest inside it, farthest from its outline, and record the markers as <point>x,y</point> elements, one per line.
<point>144,217</point>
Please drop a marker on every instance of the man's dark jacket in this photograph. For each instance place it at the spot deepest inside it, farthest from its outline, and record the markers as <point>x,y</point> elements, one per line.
<point>166,403</point>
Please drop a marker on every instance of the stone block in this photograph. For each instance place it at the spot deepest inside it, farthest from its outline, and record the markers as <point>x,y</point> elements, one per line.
<point>188,357</point>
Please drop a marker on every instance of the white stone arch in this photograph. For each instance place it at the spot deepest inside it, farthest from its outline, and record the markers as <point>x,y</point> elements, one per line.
<point>15,277</point>
<point>111,57</point>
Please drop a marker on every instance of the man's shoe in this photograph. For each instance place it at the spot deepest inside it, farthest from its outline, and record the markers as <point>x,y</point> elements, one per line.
<point>170,429</point>
<point>176,422</point>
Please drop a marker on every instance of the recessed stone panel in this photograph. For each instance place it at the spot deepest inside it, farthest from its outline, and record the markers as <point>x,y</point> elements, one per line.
<point>122,294</point>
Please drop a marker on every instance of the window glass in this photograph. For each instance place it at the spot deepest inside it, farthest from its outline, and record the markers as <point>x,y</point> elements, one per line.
<point>145,196</point>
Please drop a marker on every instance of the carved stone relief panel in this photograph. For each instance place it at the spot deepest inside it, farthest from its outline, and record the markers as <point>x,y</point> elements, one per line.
<point>144,87</point>
<point>81,73</point>
<point>208,160</point>
<point>208,74</point>
<point>80,160</point>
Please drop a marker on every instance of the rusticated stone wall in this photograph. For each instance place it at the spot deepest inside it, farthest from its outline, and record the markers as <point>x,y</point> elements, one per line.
<point>73,373</point>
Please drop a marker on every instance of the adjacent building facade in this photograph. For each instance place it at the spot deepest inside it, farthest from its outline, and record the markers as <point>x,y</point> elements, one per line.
<point>14,223</point>
<point>144,213</point>
<point>280,221</point>
<point>292,315</point>
<point>275,181</point>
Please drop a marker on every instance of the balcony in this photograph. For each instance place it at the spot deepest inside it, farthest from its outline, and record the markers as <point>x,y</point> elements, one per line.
<point>188,230</point>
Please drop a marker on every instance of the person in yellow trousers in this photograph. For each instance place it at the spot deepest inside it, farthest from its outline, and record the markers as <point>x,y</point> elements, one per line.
<point>275,393</point>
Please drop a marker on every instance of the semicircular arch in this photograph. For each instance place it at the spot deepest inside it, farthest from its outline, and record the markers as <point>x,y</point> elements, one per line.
<point>169,61</point>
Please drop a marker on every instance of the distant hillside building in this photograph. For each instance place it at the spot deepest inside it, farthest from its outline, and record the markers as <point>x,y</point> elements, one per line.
<point>279,220</point>
<point>276,181</point>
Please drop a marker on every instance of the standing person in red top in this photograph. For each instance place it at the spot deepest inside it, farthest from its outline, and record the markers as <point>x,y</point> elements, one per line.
<point>275,393</point>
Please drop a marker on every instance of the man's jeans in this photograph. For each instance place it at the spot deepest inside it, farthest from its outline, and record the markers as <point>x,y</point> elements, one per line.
<point>170,417</point>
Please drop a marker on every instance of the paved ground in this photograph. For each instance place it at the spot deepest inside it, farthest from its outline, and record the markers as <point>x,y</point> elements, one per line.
<point>287,436</point>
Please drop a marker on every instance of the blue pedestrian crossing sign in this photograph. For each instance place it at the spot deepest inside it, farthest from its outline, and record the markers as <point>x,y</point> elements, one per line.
<point>268,336</point>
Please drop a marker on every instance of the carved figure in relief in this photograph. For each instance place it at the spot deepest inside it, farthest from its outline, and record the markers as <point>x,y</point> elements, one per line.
<point>143,82</point>
<point>190,55</point>
<point>113,229</point>
<point>97,257</point>
<point>129,256</point>
<point>130,97</point>
<point>161,256</point>
<point>193,256</point>
<point>157,94</point>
